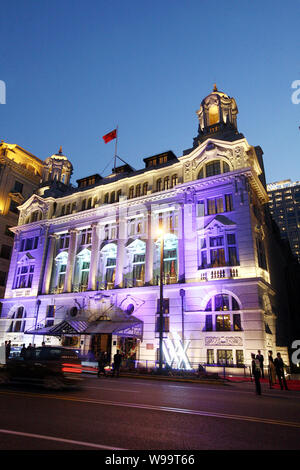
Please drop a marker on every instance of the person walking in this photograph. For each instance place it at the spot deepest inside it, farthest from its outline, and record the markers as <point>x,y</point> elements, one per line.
<point>279,367</point>
<point>23,351</point>
<point>260,357</point>
<point>256,373</point>
<point>7,349</point>
<point>271,369</point>
<point>101,364</point>
<point>117,363</point>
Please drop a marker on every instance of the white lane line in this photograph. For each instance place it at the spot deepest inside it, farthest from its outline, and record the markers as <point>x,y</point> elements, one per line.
<point>58,439</point>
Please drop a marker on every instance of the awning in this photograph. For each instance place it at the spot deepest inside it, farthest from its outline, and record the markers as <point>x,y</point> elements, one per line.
<point>132,328</point>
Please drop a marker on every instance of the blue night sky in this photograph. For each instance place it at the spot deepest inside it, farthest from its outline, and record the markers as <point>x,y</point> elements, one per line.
<point>74,70</point>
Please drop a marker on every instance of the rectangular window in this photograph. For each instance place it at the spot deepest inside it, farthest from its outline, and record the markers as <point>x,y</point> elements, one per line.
<point>237,326</point>
<point>211,207</point>
<point>210,354</point>
<point>261,256</point>
<point>14,206</point>
<point>225,357</point>
<point>18,187</point>
<point>239,357</point>
<point>223,323</point>
<point>208,323</point>
<point>228,203</point>
<point>200,209</point>
<point>5,252</point>
<point>2,278</point>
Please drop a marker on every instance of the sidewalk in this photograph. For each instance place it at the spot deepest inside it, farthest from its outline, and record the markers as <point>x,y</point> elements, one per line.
<point>292,384</point>
<point>92,368</point>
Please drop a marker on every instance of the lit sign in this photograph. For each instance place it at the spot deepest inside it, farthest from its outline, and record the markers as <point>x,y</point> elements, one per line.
<point>175,352</point>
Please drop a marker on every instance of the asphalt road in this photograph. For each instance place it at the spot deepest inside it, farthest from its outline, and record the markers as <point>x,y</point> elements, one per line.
<point>130,414</point>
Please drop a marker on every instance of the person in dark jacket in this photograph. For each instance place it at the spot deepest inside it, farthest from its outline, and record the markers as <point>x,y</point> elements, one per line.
<point>279,367</point>
<point>117,364</point>
<point>256,373</point>
<point>102,362</point>
<point>260,357</point>
<point>7,349</point>
<point>23,351</point>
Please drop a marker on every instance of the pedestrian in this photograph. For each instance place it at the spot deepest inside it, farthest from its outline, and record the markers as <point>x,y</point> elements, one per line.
<point>101,364</point>
<point>271,369</point>
<point>29,352</point>
<point>7,349</point>
<point>260,357</point>
<point>279,367</point>
<point>256,373</point>
<point>23,351</point>
<point>117,364</point>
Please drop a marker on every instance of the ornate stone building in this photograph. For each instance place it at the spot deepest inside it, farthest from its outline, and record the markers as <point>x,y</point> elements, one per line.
<point>85,268</point>
<point>20,176</point>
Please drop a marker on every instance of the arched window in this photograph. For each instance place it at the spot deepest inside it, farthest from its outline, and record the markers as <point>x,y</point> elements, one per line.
<point>106,198</point>
<point>138,190</point>
<point>213,168</point>
<point>131,192</point>
<point>59,271</point>
<point>174,180</point>
<point>36,215</point>
<point>119,194</point>
<point>166,182</point>
<point>83,205</point>
<point>107,266</point>
<point>89,203</point>
<point>158,184</point>
<point>82,269</point>
<point>68,210</point>
<point>112,197</point>
<point>222,302</point>
<point>225,307</point>
<point>145,188</point>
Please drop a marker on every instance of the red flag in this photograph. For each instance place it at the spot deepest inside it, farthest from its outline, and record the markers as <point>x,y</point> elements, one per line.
<point>110,136</point>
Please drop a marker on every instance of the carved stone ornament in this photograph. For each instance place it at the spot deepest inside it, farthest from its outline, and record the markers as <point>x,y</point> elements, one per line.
<point>223,341</point>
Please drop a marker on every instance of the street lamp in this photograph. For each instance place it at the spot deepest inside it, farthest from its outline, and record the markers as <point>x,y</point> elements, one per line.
<point>160,233</point>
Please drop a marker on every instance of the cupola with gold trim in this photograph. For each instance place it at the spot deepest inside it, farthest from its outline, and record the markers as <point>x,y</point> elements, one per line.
<point>217,117</point>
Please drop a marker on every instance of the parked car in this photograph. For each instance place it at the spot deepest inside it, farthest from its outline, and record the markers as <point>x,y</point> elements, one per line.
<point>53,367</point>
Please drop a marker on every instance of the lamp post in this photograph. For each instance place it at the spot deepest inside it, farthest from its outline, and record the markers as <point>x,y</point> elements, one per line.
<point>182,294</point>
<point>161,299</point>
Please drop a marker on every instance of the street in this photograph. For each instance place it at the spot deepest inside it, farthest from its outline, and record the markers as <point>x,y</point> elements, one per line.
<point>134,414</point>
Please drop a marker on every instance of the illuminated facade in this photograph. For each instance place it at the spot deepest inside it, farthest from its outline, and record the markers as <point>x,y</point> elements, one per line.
<point>20,176</point>
<point>85,268</point>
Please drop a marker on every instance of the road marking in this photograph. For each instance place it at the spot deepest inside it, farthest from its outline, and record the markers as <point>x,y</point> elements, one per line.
<point>114,389</point>
<point>58,439</point>
<point>208,414</point>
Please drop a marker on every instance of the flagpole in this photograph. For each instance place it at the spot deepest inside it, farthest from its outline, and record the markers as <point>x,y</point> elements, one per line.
<point>116,146</point>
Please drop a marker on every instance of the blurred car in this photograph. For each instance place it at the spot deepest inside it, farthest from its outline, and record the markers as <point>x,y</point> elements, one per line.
<point>53,367</point>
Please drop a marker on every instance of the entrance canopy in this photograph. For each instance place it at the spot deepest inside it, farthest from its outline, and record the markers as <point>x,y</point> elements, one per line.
<point>130,328</point>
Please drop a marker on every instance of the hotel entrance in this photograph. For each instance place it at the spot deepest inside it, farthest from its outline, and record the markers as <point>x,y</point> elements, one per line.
<point>100,343</point>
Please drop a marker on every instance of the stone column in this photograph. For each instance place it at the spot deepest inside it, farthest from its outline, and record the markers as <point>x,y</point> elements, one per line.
<point>181,263</point>
<point>49,263</point>
<point>121,251</point>
<point>94,257</point>
<point>149,251</point>
<point>71,259</point>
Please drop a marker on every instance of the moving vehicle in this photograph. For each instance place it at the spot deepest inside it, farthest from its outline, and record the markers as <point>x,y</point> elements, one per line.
<point>53,367</point>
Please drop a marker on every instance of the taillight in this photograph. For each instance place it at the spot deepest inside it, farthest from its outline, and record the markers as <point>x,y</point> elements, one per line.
<point>66,367</point>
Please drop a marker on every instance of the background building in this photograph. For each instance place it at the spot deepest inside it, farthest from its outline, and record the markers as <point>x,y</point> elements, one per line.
<point>20,175</point>
<point>285,209</point>
<point>85,268</point>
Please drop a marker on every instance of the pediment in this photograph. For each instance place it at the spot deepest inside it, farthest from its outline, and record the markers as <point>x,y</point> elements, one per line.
<point>26,258</point>
<point>219,223</point>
